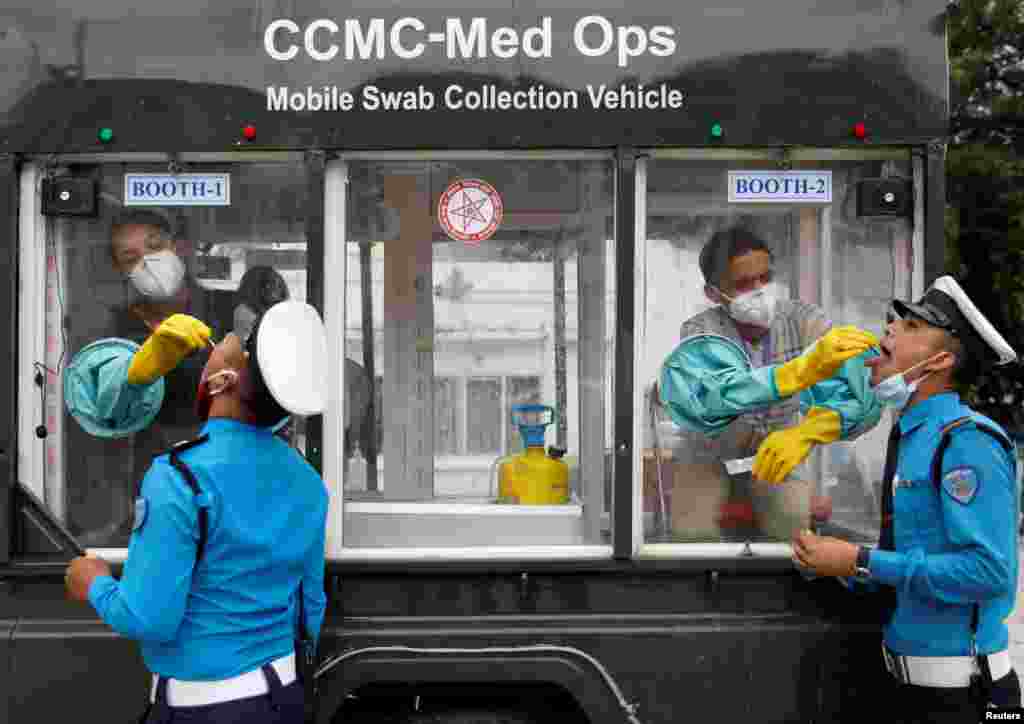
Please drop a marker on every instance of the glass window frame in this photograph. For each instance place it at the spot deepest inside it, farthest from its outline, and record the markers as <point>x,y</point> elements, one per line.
<point>460,410</point>
<point>31,318</point>
<point>33,237</point>
<point>453,396</point>
<point>336,258</point>
<point>482,383</point>
<point>775,552</point>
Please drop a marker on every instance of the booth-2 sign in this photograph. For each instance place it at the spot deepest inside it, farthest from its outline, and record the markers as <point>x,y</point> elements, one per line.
<point>785,187</point>
<point>156,189</point>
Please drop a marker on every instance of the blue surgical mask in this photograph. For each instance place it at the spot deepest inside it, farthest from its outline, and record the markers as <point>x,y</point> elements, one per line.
<point>894,391</point>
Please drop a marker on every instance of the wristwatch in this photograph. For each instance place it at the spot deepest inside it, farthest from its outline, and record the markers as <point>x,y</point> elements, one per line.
<point>861,569</point>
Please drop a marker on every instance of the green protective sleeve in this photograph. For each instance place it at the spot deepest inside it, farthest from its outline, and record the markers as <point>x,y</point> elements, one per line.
<point>719,397</point>
<point>849,394</point>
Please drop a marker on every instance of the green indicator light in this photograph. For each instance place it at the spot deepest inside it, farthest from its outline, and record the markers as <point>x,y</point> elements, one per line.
<point>716,130</point>
<point>106,134</point>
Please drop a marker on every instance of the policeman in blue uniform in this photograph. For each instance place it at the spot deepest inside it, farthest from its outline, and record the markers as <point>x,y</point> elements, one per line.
<point>947,555</point>
<point>228,541</point>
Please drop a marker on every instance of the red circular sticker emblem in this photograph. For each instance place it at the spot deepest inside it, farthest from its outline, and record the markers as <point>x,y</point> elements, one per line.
<point>470,210</point>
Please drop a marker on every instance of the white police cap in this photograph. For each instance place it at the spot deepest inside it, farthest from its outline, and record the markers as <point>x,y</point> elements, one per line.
<point>291,351</point>
<point>947,306</point>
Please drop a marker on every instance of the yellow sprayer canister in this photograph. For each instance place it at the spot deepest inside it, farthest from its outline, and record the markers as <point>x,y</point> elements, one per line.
<point>533,477</point>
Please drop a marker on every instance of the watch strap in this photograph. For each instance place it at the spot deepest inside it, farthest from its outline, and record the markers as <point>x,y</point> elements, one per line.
<point>863,559</point>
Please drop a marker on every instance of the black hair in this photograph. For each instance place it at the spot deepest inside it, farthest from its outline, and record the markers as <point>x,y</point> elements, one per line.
<point>968,356</point>
<point>265,409</point>
<point>261,288</point>
<point>723,247</point>
<point>143,217</point>
<point>156,220</point>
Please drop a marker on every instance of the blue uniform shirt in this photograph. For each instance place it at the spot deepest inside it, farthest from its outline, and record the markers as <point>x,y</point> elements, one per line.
<point>954,546</point>
<point>267,512</point>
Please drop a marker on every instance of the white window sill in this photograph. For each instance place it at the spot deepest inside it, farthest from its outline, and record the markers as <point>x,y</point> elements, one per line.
<point>445,508</point>
<point>714,550</point>
<point>512,553</point>
<point>478,553</point>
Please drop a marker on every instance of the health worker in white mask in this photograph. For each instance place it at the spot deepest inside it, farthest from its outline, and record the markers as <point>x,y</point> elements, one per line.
<point>755,312</point>
<point>167,314</point>
<point>145,253</point>
<point>162,313</point>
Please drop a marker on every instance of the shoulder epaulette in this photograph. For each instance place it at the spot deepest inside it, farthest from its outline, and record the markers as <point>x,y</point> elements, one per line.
<point>945,436</point>
<point>190,478</point>
<point>180,447</point>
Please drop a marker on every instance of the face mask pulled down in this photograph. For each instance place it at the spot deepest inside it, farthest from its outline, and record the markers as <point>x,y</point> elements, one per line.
<point>894,391</point>
<point>159,275</point>
<point>205,395</point>
<point>756,307</point>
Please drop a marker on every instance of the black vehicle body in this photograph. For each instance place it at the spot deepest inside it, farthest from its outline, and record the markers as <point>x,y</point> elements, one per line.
<point>625,639</point>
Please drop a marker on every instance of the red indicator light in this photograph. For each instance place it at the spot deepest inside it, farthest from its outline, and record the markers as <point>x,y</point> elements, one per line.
<point>859,130</point>
<point>249,132</point>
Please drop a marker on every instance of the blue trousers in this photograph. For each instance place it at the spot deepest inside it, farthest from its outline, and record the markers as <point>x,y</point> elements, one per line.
<point>280,705</point>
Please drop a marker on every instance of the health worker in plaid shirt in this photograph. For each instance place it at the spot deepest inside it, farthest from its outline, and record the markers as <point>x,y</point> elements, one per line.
<point>798,403</point>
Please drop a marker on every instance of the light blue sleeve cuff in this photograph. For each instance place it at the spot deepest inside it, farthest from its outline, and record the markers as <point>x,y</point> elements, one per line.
<point>766,376</point>
<point>98,590</point>
<point>849,394</point>
<point>887,567</point>
<point>770,374</point>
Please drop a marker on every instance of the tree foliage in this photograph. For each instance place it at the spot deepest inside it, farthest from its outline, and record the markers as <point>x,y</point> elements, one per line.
<point>985,172</point>
<point>986,52</point>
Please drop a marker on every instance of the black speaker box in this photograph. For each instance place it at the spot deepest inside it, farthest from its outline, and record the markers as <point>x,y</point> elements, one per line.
<point>70,196</point>
<point>885,197</point>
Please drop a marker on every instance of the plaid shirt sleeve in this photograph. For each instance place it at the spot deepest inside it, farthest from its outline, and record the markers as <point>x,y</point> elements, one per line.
<point>803,324</point>
<point>708,322</point>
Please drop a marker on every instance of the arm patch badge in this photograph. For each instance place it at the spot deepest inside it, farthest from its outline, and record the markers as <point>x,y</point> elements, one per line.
<point>141,509</point>
<point>962,484</point>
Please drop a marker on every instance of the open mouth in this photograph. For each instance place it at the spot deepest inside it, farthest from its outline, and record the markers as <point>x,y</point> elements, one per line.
<point>882,360</point>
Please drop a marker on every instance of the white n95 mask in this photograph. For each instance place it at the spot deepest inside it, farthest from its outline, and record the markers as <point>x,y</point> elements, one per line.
<point>756,307</point>
<point>159,275</point>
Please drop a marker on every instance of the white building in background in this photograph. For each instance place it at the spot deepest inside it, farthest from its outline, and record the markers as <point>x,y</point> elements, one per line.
<point>494,347</point>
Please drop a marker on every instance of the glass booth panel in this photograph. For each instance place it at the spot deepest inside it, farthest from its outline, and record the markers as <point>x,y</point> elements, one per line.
<point>829,266</point>
<point>457,332</point>
<point>221,264</point>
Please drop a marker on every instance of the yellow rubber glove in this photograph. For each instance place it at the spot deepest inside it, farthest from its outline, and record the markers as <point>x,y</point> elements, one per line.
<point>785,449</point>
<point>823,359</point>
<point>177,336</point>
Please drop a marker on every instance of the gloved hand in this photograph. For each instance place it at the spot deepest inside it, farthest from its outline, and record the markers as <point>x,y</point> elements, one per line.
<point>823,359</point>
<point>177,336</point>
<point>785,449</point>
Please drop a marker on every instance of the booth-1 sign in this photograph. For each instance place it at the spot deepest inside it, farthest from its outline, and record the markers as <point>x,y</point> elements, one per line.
<point>201,189</point>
